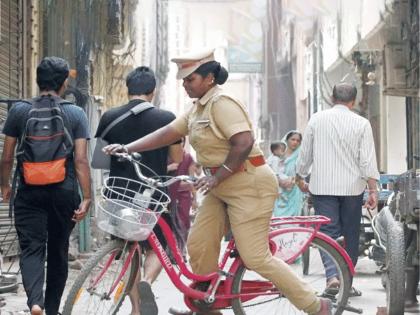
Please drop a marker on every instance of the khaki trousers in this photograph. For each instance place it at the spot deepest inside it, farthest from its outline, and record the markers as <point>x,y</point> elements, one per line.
<point>245,200</point>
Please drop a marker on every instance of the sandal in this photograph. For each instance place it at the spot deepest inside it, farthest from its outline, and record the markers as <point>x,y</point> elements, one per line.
<point>333,286</point>
<point>354,292</point>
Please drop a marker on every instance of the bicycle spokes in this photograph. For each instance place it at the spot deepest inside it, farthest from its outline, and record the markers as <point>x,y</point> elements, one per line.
<point>254,295</point>
<point>102,291</point>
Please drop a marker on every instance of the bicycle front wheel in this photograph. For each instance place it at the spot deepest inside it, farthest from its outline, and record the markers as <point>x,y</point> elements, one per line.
<point>270,301</point>
<point>96,290</point>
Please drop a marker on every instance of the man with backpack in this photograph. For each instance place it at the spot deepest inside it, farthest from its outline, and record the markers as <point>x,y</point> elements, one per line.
<point>144,119</point>
<point>50,135</point>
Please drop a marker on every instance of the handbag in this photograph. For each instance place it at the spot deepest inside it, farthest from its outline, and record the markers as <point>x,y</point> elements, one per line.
<point>100,160</point>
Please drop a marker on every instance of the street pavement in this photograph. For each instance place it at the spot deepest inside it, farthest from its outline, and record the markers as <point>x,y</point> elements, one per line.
<point>167,295</point>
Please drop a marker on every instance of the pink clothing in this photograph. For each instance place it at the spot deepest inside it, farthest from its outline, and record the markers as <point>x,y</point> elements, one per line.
<point>181,201</point>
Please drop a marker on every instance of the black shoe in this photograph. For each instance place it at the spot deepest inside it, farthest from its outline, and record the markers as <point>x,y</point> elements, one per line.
<point>148,304</point>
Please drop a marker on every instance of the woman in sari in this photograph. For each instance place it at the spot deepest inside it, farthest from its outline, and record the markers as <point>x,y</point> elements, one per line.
<point>291,200</point>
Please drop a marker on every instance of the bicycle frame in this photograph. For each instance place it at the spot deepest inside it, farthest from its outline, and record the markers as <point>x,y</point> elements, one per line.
<point>287,243</point>
<point>219,291</point>
<point>183,269</point>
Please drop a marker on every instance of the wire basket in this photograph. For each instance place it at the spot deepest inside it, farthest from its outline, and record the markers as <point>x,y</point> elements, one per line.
<point>130,209</point>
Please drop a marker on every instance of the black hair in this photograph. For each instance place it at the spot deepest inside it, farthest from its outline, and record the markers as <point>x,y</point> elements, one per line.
<point>275,145</point>
<point>141,81</point>
<point>51,73</point>
<point>344,93</point>
<point>220,73</point>
<point>292,133</point>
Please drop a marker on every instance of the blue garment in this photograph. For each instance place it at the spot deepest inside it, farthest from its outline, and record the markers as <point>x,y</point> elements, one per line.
<point>345,213</point>
<point>290,201</point>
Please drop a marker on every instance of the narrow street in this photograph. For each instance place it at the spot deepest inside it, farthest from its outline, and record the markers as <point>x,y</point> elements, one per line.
<point>366,280</point>
<point>250,109</point>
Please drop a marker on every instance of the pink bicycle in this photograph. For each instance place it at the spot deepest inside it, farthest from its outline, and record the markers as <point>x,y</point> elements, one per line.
<point>130,209</point>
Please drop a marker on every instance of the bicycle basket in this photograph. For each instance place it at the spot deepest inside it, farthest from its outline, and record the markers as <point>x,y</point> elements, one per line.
<point>130,209</point>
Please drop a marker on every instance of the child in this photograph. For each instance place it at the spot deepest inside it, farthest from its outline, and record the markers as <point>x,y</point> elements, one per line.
<point>275,161</point>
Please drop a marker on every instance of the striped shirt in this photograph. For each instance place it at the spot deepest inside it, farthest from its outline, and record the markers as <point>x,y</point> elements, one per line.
<point>338,150</point>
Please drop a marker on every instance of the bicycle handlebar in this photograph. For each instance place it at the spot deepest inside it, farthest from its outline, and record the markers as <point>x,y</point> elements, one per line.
<point>134,159</point>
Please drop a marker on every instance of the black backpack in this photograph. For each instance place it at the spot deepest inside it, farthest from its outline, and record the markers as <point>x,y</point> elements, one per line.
<point>45,144</point>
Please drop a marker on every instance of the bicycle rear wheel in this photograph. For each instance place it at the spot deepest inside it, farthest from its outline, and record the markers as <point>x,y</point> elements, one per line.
<point>92,292</point>
<point>272,302</point>
<point>306,211</point>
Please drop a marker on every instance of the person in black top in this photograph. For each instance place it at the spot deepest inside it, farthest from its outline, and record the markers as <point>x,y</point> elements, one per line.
<point>46,214</point>
<point>141,84</point>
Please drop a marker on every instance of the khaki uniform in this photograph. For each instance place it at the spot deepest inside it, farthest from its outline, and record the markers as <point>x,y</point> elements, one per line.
<point>245,199</point>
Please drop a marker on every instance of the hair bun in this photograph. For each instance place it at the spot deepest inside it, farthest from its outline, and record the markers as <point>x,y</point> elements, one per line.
<point>222,75</point>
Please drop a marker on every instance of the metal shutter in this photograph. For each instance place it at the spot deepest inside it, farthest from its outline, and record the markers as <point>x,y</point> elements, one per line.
<point>10,76</point>
<point>10,33</point>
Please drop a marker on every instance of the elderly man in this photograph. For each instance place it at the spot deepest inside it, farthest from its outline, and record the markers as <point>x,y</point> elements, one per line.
<point>338,145</point>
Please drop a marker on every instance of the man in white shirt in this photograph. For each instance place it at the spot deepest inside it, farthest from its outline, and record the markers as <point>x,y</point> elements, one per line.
<point>339,150</point>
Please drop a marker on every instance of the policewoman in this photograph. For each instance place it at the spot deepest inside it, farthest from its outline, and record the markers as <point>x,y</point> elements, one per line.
<point>240,188</point>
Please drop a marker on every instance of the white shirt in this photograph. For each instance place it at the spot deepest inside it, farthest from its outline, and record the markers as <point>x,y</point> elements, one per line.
<point>275,163</point>
<point>338,145</point>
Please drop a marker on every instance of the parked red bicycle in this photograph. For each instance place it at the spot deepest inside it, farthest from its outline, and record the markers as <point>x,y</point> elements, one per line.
<point>130,209</point>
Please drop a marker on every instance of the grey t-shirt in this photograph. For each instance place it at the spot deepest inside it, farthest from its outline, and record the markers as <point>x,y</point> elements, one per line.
<point>76,123</point>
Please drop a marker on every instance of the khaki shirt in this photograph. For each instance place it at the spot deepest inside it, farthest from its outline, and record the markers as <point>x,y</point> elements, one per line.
<point>210,123</point>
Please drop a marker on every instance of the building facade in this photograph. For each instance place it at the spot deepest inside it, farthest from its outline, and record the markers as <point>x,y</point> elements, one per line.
<point>198,24</point>
<point>373,44</point>
<point>101,50</point>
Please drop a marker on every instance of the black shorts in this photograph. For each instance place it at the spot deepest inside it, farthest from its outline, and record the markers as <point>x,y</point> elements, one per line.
<point>159,234</point>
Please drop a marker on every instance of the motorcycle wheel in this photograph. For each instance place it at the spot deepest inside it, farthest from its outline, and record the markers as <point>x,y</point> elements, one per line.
<point>395,268</point>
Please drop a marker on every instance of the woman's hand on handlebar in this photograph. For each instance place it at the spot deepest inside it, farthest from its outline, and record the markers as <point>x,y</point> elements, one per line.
<point>115,148</point>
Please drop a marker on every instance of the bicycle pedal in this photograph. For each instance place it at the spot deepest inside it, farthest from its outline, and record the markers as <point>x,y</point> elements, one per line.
<point>202,305</point>
<point>329,296</point>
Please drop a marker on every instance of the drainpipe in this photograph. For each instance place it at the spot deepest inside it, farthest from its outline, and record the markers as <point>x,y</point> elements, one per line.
<point>83,48</point>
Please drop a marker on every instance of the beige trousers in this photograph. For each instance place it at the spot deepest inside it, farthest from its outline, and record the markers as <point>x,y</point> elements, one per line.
<point>245,201</point>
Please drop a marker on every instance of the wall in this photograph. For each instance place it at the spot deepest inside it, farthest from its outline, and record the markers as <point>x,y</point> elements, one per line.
<point>347,26</point>
<point>396,135</point>
<point>329,32</point>
<point>197,25</point>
